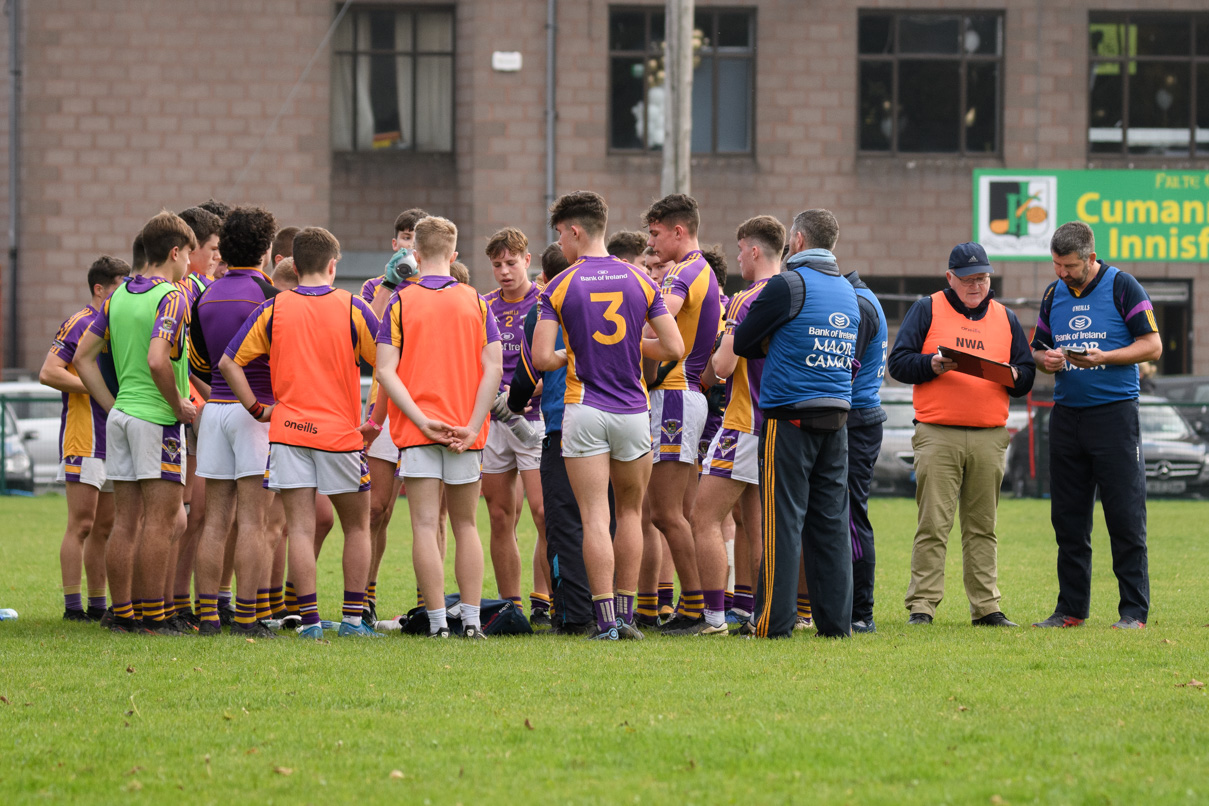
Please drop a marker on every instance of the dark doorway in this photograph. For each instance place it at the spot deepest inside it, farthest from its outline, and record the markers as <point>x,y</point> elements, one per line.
<point>1172,300</point>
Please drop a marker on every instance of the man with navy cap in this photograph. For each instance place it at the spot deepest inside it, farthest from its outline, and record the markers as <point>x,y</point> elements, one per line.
<point>960,439</point>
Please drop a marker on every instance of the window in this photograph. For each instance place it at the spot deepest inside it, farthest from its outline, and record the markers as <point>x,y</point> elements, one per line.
<point>723,80</point>
<point>930,83</point>
<point>898,294</point>
<point>392,80</point>
<point>1146,73</point>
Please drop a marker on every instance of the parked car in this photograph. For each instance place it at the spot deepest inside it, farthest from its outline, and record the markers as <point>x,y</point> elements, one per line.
<point>894,473</point>
<point>1187,390</point>
<point>1175,455</point>
<point>18,469</point>
<point>38,410</point>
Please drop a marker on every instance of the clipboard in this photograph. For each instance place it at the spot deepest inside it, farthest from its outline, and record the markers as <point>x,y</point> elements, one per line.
<point>980,367</point>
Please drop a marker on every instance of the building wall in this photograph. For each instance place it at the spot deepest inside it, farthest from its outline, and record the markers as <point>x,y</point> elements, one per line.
<point>117,126</point>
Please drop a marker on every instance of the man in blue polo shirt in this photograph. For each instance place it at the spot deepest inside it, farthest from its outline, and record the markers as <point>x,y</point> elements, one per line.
<point>1095,326</point>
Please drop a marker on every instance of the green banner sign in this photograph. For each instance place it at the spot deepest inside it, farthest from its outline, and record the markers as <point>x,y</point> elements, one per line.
<point>1136,215</point>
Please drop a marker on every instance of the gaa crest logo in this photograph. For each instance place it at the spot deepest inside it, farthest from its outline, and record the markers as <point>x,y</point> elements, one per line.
<point>727,443</point>
<point>671,429</point>
<point>172,449</point>
<point>1015,214</point>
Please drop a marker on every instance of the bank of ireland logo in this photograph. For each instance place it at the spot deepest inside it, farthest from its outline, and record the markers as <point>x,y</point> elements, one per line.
<point>839,321</point>
<point>1080,323</point>
<point>507,335</point>
<point>1016,214</point>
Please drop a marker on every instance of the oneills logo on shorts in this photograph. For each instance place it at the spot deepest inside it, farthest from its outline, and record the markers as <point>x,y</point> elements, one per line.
<point>306,428</point>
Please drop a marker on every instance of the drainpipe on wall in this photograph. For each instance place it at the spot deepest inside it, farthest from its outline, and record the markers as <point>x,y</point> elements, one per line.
<point>11,343</point>
<point>551,117</point>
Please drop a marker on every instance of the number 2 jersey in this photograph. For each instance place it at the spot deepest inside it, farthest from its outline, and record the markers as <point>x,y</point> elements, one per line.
<point>510,316</point>
<point>602,304</point>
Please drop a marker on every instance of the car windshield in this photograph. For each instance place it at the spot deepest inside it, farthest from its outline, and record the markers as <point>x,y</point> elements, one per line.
<point>36,408</point>
<point>1162,422</point>
<point>898,414</point>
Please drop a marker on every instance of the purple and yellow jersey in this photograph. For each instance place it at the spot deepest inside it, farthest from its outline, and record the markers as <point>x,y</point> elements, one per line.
<point>743,385</point>
<point>602,304</point>
<point>698,320</point>
<point>218,314</point>
<point>510,316</point>
<point>193,285</point>
<point>82,424</point>
<point>370,287</point>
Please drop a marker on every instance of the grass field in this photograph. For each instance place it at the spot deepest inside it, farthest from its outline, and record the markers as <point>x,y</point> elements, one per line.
<point>947,714</point>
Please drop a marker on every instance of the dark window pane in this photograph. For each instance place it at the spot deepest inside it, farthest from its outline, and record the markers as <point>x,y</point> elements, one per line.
<point>1202,39</point>
<point>384,98</point>
<point>734,106</point>
<point>627,30</point>
<point>703,106</point>
<point>929,106</point>
<point>658,28</point>
<point>982,35</point>
<point>930,34</point>
<point>1163,36</point>
<point>381,31</point>
<point>1105,110</point>
<point>628,108</point>
<point>876,33</point>
<point>703,26</point>
<point>1159,105</point>
<point>981,107</point>
<point>734,30</point>
<point>877,107</point>
<point>1202,109</point>
<point>1109,39</point>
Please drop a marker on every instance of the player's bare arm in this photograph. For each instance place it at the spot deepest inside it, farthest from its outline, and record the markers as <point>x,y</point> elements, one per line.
<point>56,375</point>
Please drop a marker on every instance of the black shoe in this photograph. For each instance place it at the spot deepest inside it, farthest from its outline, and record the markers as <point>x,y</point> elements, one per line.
<point>1058,620</point>
<point>226,616</point>
<point>178,623</point>
<point>96,613</point>
<point>864,625</point>
<point>107,618</point>
<point>282,615</point>
<point>474,632</point>
<point>573,629</point>
<point>746,630</point>
<point>679,623</point>
<point>539,619</point>
<point>254,630</point>
<point>152,627</point>
<point>628,632</point>
<point>190,618</point>
<point>919,618</point>
<point>210,628</point>
<point>369,613</point>
<point>122,625</point>
<point>995,619</point>
<point>441,633</point>
<point>75,615</point>
<point>1129,623</point>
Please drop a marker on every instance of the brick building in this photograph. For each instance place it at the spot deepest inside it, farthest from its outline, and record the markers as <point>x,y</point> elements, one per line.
<point>133,106</point>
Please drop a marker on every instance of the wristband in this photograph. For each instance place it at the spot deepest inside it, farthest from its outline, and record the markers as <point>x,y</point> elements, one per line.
<point>373,425</point>
<point>389,285</point>
<point>256,409</point>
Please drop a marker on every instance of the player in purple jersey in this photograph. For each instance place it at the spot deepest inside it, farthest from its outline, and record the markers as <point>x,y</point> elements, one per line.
<point>233,448</point>
<point>506,454</point>
<point>82,453</point>
<point>602,304</point>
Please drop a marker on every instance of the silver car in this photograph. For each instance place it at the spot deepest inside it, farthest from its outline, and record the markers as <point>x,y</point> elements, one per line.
<point>38,410</point>
<point>894,473</point>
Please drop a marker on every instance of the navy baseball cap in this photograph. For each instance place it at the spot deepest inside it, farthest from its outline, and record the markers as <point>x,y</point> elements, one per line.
<point>969,258</point>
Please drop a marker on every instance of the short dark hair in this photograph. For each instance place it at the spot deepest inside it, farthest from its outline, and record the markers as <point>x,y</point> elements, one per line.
<point>678,208</point>
<point>138,255</point>
<point>220,209</point>
<point>283,242</point>
<point>818,227</point>
<point>202,222</point>
<point>1073,236</point>
<point>314,247</point>
<point>408,219</point>
<point>554,262</point>
<point>162,234</point>
<point>716,259</point>
<point>765,230</point>
<point>247,233</point>
<point>107,270</point>
<point>582,207</point>
<point>627,245</point>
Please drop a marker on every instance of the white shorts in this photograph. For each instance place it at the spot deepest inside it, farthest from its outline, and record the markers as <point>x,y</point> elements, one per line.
<point>733,455</point>
<point>330,473</point>
<point>231,444</point>
<point>505,451</point>
<point>677,422</point>
<point>438,462</point>
<point>85,470</point>
<point>383,447</point>
<point>588,431</point>
<point>136,450</point>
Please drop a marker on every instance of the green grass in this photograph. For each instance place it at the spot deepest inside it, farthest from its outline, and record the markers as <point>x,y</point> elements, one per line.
<point>947,714</point>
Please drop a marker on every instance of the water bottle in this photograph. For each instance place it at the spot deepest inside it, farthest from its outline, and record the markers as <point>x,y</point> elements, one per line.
<point>7,614</point>
<point>388,625</point>
<point>523,429</point>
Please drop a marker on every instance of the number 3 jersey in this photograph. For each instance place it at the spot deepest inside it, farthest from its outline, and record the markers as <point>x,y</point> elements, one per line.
<point>602,304</point>
<point>510,316</point>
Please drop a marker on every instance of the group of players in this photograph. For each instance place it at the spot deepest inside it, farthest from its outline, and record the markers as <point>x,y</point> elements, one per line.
<point>213,421</point>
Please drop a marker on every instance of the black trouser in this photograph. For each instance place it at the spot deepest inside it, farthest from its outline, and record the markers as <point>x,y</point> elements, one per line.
<point>564,540</point>
<point>803,475</point>
<point>864,444</point>
<point>1099,446</point>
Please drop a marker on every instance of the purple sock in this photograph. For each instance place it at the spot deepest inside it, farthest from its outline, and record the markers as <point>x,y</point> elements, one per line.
<point>96,602</point>
<point>715,600</point>
<point>308,608</point>
<point>623,604</point>
<point>606,615</point>
<point>72,601</point>
<point>744,599</point>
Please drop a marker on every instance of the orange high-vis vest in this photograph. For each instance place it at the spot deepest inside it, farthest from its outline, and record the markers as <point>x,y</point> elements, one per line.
<point>956,398</point>
<point>440,358</point>
<point>315,375</point>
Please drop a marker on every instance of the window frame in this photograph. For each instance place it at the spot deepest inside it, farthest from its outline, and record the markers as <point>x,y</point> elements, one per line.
<point>413,54</point>
<point>1192,60</point>
<point>715,54</point>
<point>962,58</point>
